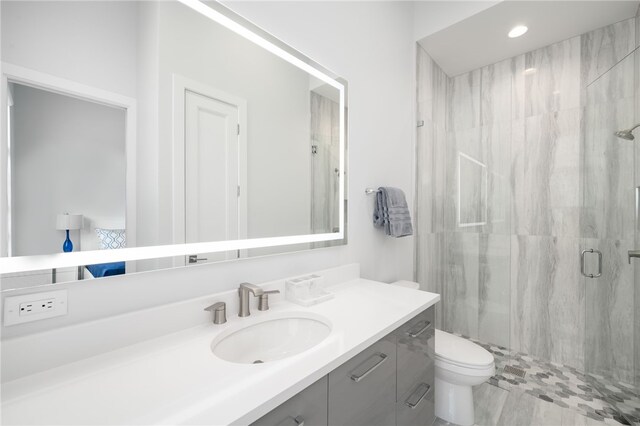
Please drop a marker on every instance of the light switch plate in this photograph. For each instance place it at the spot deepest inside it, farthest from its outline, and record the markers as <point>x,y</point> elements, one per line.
<point>34,307</point>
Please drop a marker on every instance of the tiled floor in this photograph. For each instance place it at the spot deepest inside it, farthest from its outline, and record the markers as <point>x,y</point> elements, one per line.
<point>495,406</point>
<point>550,394</point>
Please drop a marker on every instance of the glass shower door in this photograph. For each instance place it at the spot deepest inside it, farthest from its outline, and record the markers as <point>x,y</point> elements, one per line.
<point>608,232</point>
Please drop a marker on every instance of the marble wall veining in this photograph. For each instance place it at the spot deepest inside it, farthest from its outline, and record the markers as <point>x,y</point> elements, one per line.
<point>518,172</point>
<point>603,48</point>
<point>550,176</point>
<point>493,288</point>
<point>547,299</point>
<point>551,78</point>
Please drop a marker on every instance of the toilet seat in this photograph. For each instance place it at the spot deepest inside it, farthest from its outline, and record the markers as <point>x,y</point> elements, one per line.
<point>453,351</point>
<point>465,371</point>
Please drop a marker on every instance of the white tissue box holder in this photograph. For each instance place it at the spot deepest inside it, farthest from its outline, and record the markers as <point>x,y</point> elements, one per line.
<point>307,290</point>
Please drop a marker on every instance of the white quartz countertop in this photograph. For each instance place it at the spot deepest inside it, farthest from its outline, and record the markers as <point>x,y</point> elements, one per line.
<point>176,379</point>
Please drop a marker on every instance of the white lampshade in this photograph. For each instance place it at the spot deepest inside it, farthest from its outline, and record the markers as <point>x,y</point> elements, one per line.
<point>68,221</point>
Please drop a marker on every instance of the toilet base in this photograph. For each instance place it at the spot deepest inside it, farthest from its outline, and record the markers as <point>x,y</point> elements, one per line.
<point>454,403</point>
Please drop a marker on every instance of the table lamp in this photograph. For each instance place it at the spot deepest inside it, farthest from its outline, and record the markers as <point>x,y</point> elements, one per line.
<point>67,222</point>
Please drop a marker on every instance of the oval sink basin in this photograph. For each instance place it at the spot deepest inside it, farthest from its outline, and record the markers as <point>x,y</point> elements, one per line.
<point>271,339</point>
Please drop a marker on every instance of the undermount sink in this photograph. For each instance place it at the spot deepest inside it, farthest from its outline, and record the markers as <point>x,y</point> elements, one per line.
<point>271,339</point>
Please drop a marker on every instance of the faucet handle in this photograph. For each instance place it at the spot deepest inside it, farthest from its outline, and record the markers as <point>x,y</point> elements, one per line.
<point>219,312</point>
<point>263,300</point>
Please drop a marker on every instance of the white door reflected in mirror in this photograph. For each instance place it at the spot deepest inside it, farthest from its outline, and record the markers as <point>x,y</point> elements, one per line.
<point>212,184</point>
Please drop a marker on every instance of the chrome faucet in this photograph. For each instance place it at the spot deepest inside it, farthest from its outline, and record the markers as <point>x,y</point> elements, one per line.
<point>243,292</point>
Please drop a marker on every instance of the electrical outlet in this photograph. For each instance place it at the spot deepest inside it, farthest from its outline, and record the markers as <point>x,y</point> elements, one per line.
<point>35,306</point>
<point>32,308</point>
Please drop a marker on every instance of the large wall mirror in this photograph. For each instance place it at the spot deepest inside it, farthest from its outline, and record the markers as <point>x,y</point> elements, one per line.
<point>139,135</point>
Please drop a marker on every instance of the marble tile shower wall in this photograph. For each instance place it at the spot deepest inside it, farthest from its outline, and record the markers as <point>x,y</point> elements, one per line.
<point>517,173</point>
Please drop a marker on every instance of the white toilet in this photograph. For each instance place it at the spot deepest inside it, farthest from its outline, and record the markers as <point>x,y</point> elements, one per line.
<point>459,365</point>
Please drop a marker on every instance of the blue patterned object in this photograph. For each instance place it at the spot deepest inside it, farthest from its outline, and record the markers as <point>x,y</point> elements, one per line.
<point>112,238</point>
<point>67,246</point>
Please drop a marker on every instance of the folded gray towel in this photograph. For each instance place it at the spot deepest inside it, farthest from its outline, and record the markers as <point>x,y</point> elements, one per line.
<point>392,213</point>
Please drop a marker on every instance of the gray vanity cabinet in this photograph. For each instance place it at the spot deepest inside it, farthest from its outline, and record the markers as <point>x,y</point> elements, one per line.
<point>389,383</point>
<point>363,390</point>
<point>309,407</point>
<point>416,357</point>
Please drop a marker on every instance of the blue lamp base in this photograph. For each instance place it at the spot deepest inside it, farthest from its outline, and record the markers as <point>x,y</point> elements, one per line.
<point>67,246</point>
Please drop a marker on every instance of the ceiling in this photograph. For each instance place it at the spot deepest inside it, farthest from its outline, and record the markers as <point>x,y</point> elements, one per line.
<point>482,38</point>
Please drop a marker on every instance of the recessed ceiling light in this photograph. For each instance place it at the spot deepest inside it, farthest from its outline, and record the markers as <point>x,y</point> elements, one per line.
<point>517,31</point>
<point>530,71</point>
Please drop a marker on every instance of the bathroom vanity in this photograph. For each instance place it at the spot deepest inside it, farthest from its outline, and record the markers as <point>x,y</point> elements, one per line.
<point>389,383</point>
<point>374,366</point>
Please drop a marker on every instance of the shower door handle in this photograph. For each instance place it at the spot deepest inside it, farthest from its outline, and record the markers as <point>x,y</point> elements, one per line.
<point>582,264</point>
<point>633,253</point>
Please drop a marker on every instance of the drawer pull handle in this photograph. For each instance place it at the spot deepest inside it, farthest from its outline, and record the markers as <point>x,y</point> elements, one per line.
<point>419,329</point>
<point>414,400</point>
<point>292,421</point>
<point>381,358</point>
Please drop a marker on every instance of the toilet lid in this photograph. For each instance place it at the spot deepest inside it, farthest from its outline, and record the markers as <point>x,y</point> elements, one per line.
<point>459,351</point>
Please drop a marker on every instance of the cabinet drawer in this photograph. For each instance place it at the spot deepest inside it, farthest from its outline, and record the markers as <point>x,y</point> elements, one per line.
<point>416,352</point>
<point>363,390</point>
<point>416,407</point>
<point>308,407</point>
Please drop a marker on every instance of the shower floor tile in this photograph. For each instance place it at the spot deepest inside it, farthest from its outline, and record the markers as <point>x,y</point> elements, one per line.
<point>556,385</point>
<point>499,407</point>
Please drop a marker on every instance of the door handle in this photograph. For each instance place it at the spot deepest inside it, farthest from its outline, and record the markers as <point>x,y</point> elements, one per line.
<point>582,264</point>
<point>195,259</point>
<point>633,253</point>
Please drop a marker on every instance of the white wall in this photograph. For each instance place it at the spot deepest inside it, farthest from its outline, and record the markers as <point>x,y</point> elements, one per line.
<point>68,155</point>
<point>94,42</point>
<point>378,63</point>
